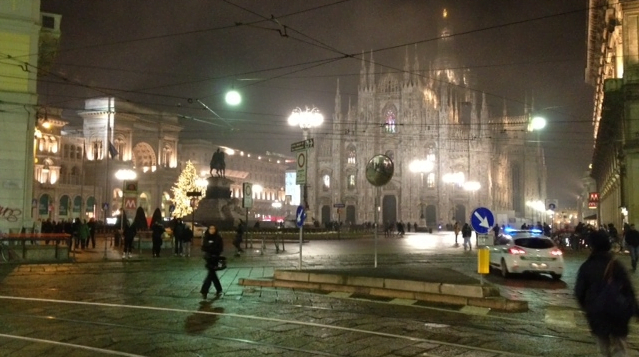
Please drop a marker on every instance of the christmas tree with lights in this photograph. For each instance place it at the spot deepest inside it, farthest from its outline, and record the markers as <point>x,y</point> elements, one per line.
<point>186,182</point>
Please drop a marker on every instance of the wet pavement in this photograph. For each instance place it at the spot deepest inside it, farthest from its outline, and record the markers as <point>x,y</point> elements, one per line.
<point>151,306</point>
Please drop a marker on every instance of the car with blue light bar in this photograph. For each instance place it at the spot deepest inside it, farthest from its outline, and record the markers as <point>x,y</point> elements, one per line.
<point>526,251</point>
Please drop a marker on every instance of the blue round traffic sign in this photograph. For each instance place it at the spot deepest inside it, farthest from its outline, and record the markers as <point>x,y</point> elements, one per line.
<point>300,216</point>
<point>482,220</point>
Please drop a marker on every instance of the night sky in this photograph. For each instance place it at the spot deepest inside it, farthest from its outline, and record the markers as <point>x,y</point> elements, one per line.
<point>283,54</point>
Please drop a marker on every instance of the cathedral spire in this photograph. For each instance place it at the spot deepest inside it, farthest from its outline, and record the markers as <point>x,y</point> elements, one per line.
<point>338,100</point>
<point>406,69</point>
<point>362,74</point>
<point>416,72</point>
<point>505,109</point>
<point>371,72</point>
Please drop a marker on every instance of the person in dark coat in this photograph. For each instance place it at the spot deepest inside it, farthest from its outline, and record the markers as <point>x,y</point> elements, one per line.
<point>156,236</point>
<point>129,234</point>
<point>239,237</point>
<point>632,244</point>
<point>467,232</point>
<point>212,246</point>
<point>610,332</point>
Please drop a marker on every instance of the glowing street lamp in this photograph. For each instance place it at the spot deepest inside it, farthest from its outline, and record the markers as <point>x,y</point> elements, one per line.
<point>306,119</point>
<point>233,97</point>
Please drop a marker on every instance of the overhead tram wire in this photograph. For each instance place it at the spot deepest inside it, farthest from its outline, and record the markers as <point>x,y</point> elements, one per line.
<point>421,41</point>
<point>354,56</point>
<point>185,33</point>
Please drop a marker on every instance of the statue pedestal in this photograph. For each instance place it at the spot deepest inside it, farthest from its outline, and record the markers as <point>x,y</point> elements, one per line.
<point>217,207</point>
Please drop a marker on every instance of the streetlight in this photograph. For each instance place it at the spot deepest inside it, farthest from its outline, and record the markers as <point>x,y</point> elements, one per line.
<point>306,120</point>
<point>535,124</point>
<point>421,167</point>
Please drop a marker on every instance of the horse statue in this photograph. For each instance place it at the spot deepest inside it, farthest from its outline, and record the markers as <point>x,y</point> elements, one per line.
<point>217,164</point>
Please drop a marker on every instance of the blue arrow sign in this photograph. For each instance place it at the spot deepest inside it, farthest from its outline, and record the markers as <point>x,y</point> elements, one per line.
<point>300,216</point>
<point>482,220</point>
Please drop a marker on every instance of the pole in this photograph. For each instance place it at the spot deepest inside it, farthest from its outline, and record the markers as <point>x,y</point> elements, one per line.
<point>247,230</point>
<point>301,240</point>
<point>376,221</point>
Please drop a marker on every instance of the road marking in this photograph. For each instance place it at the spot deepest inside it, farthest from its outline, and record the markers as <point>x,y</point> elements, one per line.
<point>94,349</point>
<point>260,318</point>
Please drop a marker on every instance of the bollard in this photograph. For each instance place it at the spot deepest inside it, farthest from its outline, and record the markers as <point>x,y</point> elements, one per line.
<point>483,263</point>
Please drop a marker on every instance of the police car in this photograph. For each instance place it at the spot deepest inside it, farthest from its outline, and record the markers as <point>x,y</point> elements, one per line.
<point>526,251</point>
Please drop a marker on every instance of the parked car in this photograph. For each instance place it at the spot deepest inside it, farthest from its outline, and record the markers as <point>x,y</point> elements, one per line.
<point>526,251</point>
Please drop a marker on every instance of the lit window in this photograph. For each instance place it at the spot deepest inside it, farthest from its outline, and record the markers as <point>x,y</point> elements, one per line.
<point>430,180</point>
<point>352,156</point>
<point>351,182</point>
<point>390,121</point>
<point>326,182</point>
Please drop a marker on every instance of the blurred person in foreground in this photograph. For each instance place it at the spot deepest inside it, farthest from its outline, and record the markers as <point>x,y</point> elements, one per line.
<point>606,295</point>
<point>212,246</point>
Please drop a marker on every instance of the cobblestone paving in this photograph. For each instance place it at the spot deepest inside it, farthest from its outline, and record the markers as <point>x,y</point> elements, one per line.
<point>152,307</point>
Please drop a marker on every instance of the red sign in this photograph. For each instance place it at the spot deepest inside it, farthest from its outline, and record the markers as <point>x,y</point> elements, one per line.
<point>130,203</point>
<point>593,200</point>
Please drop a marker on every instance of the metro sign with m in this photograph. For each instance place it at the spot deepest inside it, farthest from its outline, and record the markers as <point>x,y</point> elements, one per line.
<point>130,203</point>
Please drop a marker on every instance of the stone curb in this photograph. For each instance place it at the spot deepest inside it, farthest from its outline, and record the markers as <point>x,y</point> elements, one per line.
<point>488,298</point>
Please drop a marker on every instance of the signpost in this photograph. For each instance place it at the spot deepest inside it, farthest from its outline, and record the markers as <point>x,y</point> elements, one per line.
<point>247,202</point>
<point>482,220</point>
<point>300,217</point>
<point>302,145</point>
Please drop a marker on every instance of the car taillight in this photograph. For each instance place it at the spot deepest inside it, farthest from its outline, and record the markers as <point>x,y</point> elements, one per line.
<point>516,250</point>
<point>556,252</point>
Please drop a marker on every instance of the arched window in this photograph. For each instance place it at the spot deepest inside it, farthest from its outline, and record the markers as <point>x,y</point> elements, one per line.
<point>430,180</point>
<point>390,119</point>
<point>430,156</point>
<point>65,151</point>
<point>351,155</point>
<point>166,156</point>
<point>326,182</point>
<point>78,153</point>
<point>63,208</point>
<point>350,181</point>
<point>119,146</point>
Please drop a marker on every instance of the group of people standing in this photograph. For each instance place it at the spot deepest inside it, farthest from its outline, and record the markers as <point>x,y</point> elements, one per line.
<point>82,231</point>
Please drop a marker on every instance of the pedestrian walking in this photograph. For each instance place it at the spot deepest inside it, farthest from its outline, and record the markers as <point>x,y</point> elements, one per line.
<point>605,293</point>
<point>456,229</point>
<point>178,232</point>
<point>467,232</point>
<point>237,241</point>
<point>129,234</point>
<point>212,246</point>
<point>632,244</point>
<point>92,227</point>
<point>187,238</point>
<point>157,230</point>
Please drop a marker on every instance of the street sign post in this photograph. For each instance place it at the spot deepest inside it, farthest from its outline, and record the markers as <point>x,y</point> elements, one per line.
<point>482,220</point>
<point>302,145</point>
<point>300,216</point>
<point>301,167</point>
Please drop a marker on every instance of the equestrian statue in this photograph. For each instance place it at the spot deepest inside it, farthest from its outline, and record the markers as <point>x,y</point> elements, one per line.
<point>217,164</point>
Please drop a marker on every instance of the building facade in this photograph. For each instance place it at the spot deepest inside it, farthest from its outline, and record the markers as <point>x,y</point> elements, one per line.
<point>24,33</point>
<point>75,168</point>
<point>613,69</point>
<point>469,157</point>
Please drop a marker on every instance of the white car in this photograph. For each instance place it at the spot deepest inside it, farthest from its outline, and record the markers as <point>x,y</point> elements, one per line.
<point>199,230</point>
<point>526,251</point>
